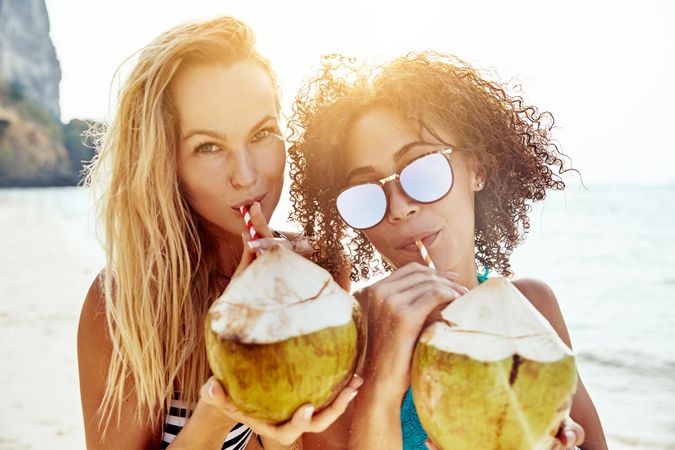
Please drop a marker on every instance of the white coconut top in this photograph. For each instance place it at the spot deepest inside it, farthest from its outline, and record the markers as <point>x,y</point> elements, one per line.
<point>279,296</point>
<point>495,321</point>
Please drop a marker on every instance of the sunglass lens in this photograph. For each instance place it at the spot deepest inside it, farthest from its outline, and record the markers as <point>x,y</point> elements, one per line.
<point>362,206</point>
<point>427,179</point>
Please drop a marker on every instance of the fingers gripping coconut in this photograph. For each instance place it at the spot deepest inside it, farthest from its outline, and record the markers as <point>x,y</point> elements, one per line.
<point>283,335</point>
<point>304,418</point>
<point>570,435</point>
<point>265,239</point>
<point>493,373</point>
<point>287,434</point>
<point>398,307</point>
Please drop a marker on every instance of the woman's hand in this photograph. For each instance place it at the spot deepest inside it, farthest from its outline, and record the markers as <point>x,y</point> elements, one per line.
<point>570,435</point>
<point>398,309</point>
<point>304,420</point>
<point>267,240</point>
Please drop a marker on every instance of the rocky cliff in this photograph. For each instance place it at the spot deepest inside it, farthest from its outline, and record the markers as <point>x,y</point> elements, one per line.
<point>35,148</point>
<point>27,56</point>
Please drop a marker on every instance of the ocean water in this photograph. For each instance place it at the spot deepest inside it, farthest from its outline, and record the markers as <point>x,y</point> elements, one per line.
<point>607,252</point>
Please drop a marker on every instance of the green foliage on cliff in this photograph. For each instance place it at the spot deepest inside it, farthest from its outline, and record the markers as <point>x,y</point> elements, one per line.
<point>80,147</point>
<point>35,149</point>
<point>16,91</point>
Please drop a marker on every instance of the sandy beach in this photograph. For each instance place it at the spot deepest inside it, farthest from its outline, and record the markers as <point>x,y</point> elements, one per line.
<point>48,260</point>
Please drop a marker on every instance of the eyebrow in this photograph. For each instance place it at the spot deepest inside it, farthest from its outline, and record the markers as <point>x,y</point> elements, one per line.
<point>222,136</point>
<point>400,153</point>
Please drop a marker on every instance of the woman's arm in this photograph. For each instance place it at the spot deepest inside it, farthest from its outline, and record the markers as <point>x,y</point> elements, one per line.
<point>94,350</point>
<point>377,422</point>
<point>377,415</point>
<point>206,429</point>
<point>583,411</point>
<point>396,309</point>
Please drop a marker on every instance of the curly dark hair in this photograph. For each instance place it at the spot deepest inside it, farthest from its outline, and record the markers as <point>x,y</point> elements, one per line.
<point>506,140</point>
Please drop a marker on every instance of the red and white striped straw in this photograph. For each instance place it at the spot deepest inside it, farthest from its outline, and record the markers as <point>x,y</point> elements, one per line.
<point>425,254</point>
<point>249,225</point>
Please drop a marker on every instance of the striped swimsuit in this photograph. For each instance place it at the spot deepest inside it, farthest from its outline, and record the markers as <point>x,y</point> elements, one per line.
<point>237,438</point>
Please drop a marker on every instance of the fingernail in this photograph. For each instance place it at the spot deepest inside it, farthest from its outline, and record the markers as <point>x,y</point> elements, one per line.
<point>253,245</point>
<point>359,380</point>
<point>353,395</point>
<point>308,412</point>
<point>570,436</point>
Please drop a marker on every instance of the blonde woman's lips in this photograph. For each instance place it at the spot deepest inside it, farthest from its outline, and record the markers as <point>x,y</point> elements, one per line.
<point>248,202</point>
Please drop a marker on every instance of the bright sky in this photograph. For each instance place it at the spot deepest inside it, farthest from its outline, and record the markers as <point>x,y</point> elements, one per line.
<point>604,68</point>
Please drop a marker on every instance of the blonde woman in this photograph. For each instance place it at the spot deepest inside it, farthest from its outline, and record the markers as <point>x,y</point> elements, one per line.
<point>195,137</point>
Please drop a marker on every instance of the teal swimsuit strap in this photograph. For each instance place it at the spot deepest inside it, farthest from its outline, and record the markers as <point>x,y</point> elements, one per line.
<point>413,434</point>
<point>483,276</point>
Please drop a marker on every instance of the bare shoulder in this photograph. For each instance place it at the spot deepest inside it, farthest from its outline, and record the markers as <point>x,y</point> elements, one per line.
<point>583,411</point>
<point>542,297</point>
<point>93,357</point>
<point>94,346</point>
<point>539,294</point>
<point>94,350</point>
<point>92,316</point>
<point>361,296</point>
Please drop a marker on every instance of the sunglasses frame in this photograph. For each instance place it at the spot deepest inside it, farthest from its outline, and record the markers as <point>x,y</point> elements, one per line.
<point>396,176</point>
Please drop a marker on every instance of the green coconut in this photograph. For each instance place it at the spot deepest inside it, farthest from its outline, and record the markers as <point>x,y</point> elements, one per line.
<point>493,374</point>
<point>283,334</point>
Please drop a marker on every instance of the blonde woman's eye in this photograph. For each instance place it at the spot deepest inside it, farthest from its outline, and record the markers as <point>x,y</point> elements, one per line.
<point>265,134</point>
<point>207,148</point>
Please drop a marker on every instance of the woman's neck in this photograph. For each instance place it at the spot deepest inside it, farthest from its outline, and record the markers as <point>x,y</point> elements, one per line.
<point>466,268</point>
<point>467,273</point>
<point>228,255</point>
<point>229,248</point>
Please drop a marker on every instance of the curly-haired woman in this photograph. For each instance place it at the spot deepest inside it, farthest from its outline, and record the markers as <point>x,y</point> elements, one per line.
<point>423,148</point>
<point>196,136</point>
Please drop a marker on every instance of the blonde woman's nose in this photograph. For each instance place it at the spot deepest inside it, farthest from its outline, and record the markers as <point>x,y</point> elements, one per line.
<point>243,171</point>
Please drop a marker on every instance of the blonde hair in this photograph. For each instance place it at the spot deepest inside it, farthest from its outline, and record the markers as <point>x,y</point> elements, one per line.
<point>158,280</point>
